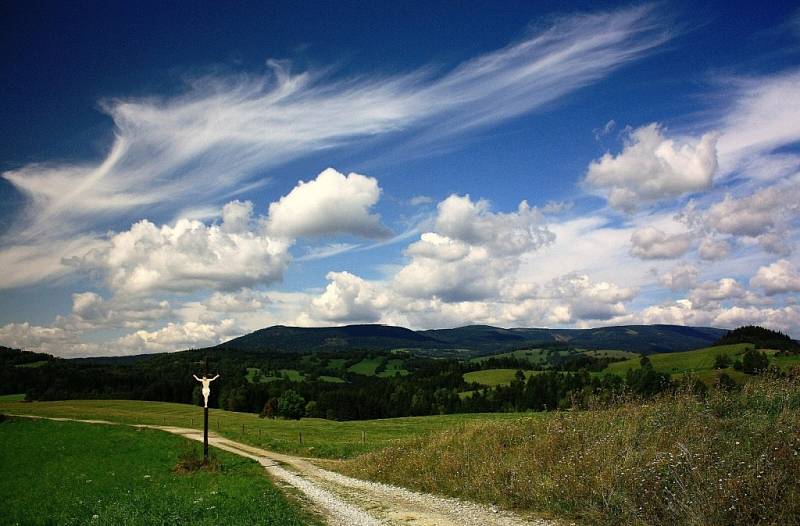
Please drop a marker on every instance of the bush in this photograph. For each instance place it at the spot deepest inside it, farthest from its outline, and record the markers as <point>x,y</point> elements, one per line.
<point>722,361</point>
<point>754,362</point>
<point>291,405</point>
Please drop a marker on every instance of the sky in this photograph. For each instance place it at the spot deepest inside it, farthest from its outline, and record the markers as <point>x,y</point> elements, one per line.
<point>173,176</point>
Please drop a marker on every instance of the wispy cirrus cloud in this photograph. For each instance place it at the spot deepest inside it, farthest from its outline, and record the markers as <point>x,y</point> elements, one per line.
<point>224,133</point>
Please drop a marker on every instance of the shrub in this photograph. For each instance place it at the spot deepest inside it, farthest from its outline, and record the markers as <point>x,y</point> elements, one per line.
<point>291,405</point>
<point>754,362</point>
<point>722,361</point>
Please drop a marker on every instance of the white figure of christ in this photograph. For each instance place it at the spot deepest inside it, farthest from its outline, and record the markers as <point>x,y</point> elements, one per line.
<point>206,386</point>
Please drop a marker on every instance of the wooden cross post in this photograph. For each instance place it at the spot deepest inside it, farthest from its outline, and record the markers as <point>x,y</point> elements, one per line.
<point>205,423</point>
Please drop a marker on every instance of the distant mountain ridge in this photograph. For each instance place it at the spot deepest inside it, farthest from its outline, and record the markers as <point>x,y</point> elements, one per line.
<point>478,339</point>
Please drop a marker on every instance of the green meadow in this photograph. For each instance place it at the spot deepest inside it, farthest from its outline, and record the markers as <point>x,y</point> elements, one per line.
<point>492,377</point>
<point>320,438</point>
<point>67,473</point>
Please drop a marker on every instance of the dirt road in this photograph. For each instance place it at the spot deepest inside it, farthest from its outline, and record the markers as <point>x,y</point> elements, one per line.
<point>346,501</point>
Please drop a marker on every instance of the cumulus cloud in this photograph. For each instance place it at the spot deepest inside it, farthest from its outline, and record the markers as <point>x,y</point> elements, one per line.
<point>779,277</point>
<point>582,299</point>
<point>188,256</point>
<point>244,300</point>
<point>652,243</point>
<point>757,213</point>
<point>90,311</point>
<point>713,249</point>
<point>330,204</point>
<point>652,167</point>
<point>348,298</point>
<point>473,252</point>
<point>177,336</point>
<point>716,291</point>
<point>680,277</point>
<point>54,340</point>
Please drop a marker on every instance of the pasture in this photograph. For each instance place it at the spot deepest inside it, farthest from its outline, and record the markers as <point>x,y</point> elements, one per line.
<point>493,377</point>
<point>320,438</point>
<point>69,473</point>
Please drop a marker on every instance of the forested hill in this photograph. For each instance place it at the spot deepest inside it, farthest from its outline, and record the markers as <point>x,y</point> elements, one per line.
<point>478,339</point>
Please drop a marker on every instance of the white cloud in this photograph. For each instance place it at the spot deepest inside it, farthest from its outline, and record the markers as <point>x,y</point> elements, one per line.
<point>223,133</point>
<point>90,311</point>
<point>189,256</point>
<point>712,248</point>
<point>419,200</point>
<point>652,243</point>
<point>473,253</point>
<point>348,298</point>
<point>763,116</point>
<point>716,291</point>
<point>175,337</point>
<point>330,204</point>
<point>245,300</point>
<point>757,213</point>
<point>472,222</point>
<point>58,341</point>
<point>680,277</point>
<point>653,167</point>
<point>587,300</point>
<point>779,277</point>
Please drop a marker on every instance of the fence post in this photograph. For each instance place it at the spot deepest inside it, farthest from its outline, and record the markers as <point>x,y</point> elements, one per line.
<point>301,436</point>
<point>243,429</point>
<point>363,437</point>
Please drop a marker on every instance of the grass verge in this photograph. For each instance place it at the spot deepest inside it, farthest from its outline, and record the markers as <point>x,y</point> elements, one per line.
<point>731,458</point>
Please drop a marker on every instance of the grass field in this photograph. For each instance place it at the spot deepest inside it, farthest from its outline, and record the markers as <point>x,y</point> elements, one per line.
<point>12,398</point>
<point>613,354</point>
<point>492,377</point>
<point>682,362</point>
<point>367,366</point>
<point>32,365</point>
<point>66,473</point>
<point>700,362</point>
<point>730,459</point>
<point>394,367</point>
<point>533,356</point>
<point>321,438</point>
<point>254,375</point>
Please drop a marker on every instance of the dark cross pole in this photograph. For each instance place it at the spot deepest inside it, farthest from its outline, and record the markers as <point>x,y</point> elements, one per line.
<point>205,422</point>
<point>206,390</point>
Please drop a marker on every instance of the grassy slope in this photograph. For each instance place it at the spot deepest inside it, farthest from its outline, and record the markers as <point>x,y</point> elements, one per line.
<point>682,362</point>
<point>366,366</point>
<point>733,459</point>
<point>66,473</point>
<point>394,367</point>
<point>321,438</point>
<point>12,397</point>
<point>532,356</point>
<point>492,377</point>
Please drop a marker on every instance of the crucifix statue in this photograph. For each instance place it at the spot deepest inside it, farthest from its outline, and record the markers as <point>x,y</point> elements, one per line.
<point>206,381</point>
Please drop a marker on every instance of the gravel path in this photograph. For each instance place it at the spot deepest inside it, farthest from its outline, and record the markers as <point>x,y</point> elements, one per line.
<point>346,501</point>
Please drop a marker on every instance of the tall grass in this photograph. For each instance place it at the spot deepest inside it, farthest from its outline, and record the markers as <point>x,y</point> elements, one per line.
<point>725,458</point>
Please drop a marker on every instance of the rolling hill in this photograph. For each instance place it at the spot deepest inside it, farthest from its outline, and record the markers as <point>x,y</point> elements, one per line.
<point>476,339</point>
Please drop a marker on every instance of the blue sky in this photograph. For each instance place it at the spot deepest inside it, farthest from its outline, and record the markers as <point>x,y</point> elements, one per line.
<point>174,176</point>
